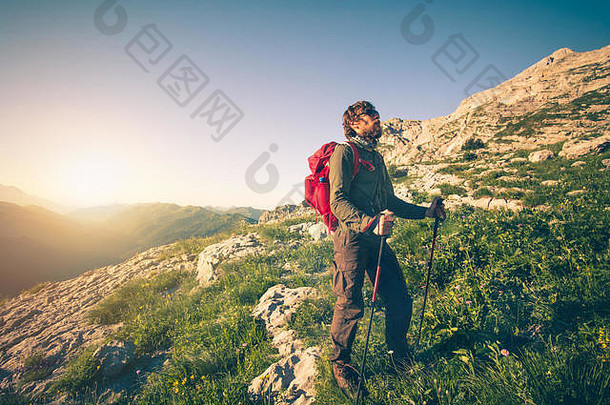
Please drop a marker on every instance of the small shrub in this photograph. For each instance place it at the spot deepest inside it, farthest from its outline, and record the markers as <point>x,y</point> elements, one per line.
<point>469,156</point>
<point>472,144</point>
<point>80,373</point>
<point>482,192</point>
<point>38,287</point>
<point>448,189</point>
<point>35,367</point>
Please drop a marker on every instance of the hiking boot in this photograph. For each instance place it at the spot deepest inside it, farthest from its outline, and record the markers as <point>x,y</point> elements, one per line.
<point>347,378</point>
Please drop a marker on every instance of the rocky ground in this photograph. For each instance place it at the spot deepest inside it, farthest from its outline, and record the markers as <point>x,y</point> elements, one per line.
<point>51,319</point>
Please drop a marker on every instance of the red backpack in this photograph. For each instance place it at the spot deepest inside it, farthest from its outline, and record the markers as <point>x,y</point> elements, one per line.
<point>317,187</point>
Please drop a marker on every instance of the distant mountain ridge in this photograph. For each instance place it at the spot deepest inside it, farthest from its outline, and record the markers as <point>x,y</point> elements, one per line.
<point>17,196</point>
<point>40,245</point>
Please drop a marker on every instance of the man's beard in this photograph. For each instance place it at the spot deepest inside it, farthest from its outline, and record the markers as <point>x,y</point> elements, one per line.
<point>373,134</point>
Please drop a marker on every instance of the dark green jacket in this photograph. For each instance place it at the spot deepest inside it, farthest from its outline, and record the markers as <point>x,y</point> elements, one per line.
<point>356,202</point>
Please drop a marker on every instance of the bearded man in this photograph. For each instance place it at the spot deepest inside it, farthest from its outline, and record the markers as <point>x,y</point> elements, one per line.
<point>365,206</point>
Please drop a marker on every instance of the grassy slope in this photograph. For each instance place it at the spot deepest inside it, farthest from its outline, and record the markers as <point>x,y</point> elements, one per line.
<point>518,311</point>
<point>533,283</point>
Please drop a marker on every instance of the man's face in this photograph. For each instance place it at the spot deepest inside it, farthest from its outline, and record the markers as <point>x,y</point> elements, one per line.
<point>368,125</point>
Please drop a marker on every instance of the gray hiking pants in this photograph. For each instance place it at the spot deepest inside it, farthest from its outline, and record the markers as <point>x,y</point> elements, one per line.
<point>355,255</point>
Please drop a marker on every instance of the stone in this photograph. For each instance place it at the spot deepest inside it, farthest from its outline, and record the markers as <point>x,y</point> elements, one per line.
<point>576,148</point>
<point>277,305</point>
<point>540,156</point>
<point>318,231</point>
<point>576,192</point>
<point>302,228</point>
<point>290,380</point>
<point>213,255</point>
<point>579,163</point>
<point>114,356</point>
<point>550,183</point>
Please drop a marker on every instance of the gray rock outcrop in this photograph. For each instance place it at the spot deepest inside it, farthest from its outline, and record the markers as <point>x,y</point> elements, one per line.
<point>316,230</point>
<point>213,255</point>
<point>576,148</point>
<point>540,156</point>
<point>291,379</point>
<point>114,356</point>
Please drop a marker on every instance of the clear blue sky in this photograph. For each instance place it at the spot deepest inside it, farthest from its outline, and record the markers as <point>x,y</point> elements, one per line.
<point>81,123</point>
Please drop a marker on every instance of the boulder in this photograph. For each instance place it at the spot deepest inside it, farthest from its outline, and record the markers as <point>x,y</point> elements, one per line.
<point>291,379</point>
<point>318,231</point>
<point>301,228</point>
<point>277,305</point>
<point>114,356</point>
<point>576,148</point>
<point>213,255</point>
<point>540,156</point>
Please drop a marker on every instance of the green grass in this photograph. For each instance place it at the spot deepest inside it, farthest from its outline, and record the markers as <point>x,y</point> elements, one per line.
<point>531,284</point>
<point>448,189</point>
<point>482,192</point>
<point>129,301</point>
<point>81,371</point>
<point>517,311</point>
<point>35,367</point>
<point>192,245</point>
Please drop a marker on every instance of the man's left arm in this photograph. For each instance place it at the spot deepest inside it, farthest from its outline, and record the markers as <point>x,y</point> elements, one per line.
<point>399,207</point>
<point>404,209</point>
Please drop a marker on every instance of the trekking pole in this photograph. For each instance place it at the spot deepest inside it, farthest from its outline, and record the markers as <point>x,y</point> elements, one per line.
<point>421,321</point>
<point>368,332</point>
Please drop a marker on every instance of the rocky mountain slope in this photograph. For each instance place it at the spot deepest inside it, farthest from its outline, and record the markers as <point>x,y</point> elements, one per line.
<point>52,319</point>
<point>563,96</point>
<point>242,318</point>
<point>557,107</point>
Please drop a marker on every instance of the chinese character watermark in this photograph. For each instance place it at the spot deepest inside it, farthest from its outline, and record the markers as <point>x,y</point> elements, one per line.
<point>456,55</point>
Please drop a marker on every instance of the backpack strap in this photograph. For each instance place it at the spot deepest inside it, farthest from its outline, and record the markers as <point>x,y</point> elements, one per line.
<point>356,159</point>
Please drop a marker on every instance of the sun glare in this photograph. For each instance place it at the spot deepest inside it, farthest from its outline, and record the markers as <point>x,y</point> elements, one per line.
<point>91,180</point>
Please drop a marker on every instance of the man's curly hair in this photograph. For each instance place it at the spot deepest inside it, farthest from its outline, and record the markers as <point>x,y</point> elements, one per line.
<point>352,113</point>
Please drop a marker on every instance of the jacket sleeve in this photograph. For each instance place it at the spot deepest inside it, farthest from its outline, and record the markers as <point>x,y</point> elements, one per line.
<point>399,207</point>
<point>405,210</point>
<point>341,167</point>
